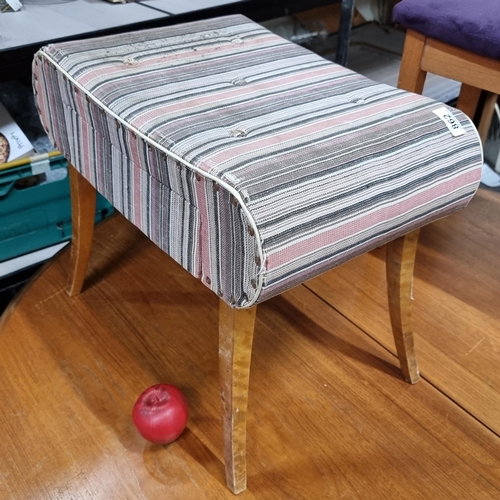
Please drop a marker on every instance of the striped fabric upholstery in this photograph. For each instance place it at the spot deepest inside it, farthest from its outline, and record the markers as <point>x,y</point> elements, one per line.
<point>251,161</point>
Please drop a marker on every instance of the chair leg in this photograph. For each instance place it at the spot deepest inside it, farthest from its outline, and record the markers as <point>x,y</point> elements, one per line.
<point>83,202</point>
<point>411,77</point>
<point>346,15</point>
<point>400,262</point>
<point>487,115</point>
<point>236,328</point>
<point>468,100</point>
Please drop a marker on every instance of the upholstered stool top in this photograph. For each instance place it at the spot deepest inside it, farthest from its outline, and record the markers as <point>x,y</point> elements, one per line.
<point>253,162</point>
<point>473,25</point>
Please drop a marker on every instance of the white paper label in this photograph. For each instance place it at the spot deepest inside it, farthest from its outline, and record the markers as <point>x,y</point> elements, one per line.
<point>15,5</point>
<point>451,122</point>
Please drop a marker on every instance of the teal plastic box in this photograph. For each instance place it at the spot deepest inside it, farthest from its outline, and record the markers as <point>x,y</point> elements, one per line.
<point>34,213</point>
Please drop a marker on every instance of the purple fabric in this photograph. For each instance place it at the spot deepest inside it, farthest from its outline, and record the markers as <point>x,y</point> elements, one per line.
<point>473,25</point>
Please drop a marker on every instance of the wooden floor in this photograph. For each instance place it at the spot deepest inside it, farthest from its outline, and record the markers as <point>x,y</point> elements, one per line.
<point>329,415</point>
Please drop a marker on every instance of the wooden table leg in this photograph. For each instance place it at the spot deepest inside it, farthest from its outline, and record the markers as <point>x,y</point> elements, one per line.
<point>236,328</point>
<point>83,203</point>
<point>400,262</point>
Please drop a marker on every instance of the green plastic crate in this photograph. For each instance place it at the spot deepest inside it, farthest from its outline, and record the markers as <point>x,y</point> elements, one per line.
<point>39,215</point>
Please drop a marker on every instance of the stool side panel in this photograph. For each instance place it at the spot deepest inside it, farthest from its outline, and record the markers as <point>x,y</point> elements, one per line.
<point>195,221</point>
<point>164,215</point>
<point>369,200</point>
<point>298,271</point>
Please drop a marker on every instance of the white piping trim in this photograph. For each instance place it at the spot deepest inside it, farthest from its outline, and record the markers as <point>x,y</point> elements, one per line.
<point>226,186</point>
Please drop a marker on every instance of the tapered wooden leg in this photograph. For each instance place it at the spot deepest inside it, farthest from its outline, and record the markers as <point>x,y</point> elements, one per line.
<point>411,77</point>
<point>236,328</point>
<point>83,202</point>
<point>400,263</point>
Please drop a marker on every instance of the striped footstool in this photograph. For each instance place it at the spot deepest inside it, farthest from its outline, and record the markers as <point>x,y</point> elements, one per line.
<point>256,165</point>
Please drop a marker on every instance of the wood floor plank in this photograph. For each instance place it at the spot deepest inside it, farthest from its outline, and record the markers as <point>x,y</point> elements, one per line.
<point>456,314</point>
<point>329,414</point>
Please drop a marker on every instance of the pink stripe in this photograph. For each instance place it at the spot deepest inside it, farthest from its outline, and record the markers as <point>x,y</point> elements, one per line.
<point>355,115</point>
<point>137,191</point>
<point>386,213</point>
<point>85,168</point>
<point>232,93</point>
<point>156,190</point>
<point>263,100</point>
<point>115,67</point>
<point>134,144</point>
<point>40,93</point>
<point>204,239</point>
<point>52,105</point>
<point>81,105</point>
<point>99,162</point>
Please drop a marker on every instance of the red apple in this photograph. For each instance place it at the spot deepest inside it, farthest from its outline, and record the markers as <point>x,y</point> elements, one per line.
<point>160,413</point>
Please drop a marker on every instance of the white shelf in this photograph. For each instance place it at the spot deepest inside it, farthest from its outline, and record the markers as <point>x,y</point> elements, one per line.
<point>24,261</point>
<point>183,6</point>
<point>38,23</point>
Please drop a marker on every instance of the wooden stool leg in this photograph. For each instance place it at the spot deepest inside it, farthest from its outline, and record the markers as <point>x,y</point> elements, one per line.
<point>236,328</point>
<point>400,263</point>
<point>411,77</point>
<point>83,202</point>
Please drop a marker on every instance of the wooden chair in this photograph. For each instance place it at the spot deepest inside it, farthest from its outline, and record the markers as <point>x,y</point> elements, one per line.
<point>255,174</point>
<point>455,39</point>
